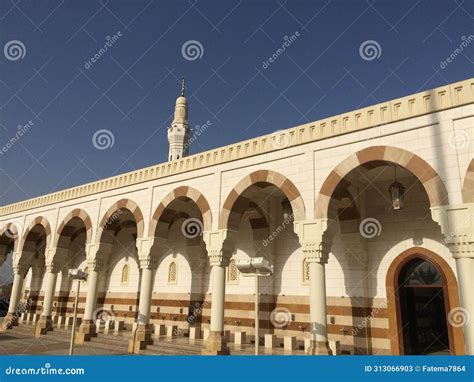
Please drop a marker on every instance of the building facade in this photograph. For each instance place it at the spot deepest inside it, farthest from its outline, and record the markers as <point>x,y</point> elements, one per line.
<point>367,217</point>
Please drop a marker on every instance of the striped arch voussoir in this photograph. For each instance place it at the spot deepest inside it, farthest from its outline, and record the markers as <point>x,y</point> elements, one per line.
<point>124,204</point>
<point>428,177</point>
<point>40,220</point>
<point>262,176</point>
<point>11,231</point>
<point>183,192</point>
<point>76,213</point>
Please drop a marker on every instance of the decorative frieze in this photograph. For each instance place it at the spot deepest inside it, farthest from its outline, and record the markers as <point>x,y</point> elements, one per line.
<point>435,100</point>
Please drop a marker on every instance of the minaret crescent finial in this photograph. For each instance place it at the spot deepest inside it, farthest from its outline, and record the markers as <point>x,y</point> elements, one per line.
<point>182,87</point>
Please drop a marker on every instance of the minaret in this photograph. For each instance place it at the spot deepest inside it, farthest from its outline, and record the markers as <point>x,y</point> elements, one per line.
<point>178,132</point>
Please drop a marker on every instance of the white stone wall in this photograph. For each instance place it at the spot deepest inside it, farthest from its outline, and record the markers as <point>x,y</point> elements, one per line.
<point>307,166</point>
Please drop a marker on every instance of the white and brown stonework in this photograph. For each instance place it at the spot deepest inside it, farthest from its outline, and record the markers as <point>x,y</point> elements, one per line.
<point>334,173</point>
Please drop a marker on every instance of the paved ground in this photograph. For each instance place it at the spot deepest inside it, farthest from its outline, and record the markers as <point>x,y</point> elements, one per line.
<point>20,340</point>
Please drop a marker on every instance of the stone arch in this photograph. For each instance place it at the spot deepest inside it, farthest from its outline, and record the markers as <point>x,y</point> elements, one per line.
<point>183,192</point>
<point>40,220</point>
<point>76,213</point>
<point>428,177</point>
<point>258,177</point>
<point>456,337</point>
<point>10,231</point>
<point>468,184</point>
<point>127,204</point>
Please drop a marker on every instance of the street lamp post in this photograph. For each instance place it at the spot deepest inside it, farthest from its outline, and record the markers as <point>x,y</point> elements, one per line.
<point>256,267</point>
<point>79,276</point>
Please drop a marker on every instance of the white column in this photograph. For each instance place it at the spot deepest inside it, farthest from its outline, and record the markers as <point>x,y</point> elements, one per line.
<point>11,319</point>
<point>219,248</point>
<point>15,294</point>
<point>218,296</point>
<point>457,226</point>
<point>45,323</point>
<point>50,278</point>
<point>465,272</point>
<point>315,251</point>
<point>317,297</point>
<point>145,294</point>
<point>97,256</point>
<point>91,297</point>
<point>142,335</point>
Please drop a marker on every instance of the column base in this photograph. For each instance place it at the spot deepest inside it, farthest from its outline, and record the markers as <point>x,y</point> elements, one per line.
<point>9,321</point>
<point>43,326</point>
<point>86,331</point>
<point>140,339</point>
<point>216,344</point>
<point>318,348</point>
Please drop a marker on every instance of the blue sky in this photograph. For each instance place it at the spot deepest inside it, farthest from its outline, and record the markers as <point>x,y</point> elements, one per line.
<point>131,88</point>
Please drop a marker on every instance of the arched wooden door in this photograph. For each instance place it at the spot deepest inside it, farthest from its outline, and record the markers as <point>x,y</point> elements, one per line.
<point>421,292</point>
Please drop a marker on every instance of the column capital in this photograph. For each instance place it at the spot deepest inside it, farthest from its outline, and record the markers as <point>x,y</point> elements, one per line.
<point>457,227</point>
<point>311,237</point>
<point>148,263</point>
<point>97,254</point>
<point>95,264</point>
<point>148,249</point>
<point>52,267</point>
<point>21,269</point>
<point>219,245</point>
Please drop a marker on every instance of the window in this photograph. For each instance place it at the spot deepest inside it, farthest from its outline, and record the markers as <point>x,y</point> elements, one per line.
<point>172,273</point>
<point>232,273</point>
<point>305,269</point>
<point>124,278</point>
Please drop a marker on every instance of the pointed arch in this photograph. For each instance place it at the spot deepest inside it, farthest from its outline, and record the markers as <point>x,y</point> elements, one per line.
<point>42,221</point>
<point>183,192</point>
<point>113,212</point>
<point>10,232</point>
<point>76,213</point>
<point>427,176</point>
<point>263,177</point>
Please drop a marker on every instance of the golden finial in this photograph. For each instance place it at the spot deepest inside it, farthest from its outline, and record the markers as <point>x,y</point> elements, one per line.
<point>182,87</point>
